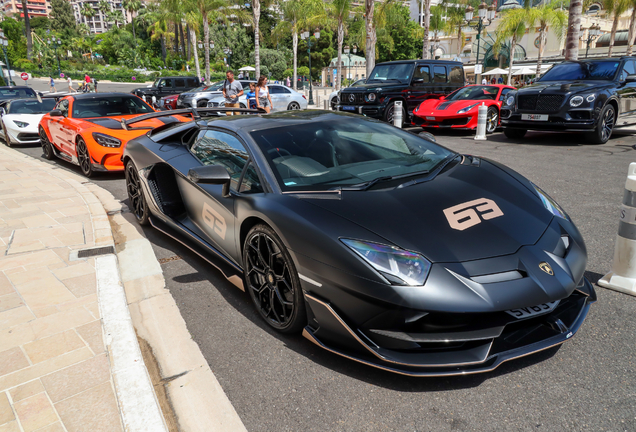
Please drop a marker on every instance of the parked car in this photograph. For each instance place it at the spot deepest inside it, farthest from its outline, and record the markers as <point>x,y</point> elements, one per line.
<point>459,109</point>
<point>20,119</point>
<point>283,99</point>
<point>200,96</point>
<point>168,102</point>
<point>594,96</point>
<point>16,92</point>
<point>333,97</point>
<point>86,130</point>
<point>166,86</point>
<point>374,243</point>
<point>409,81</point>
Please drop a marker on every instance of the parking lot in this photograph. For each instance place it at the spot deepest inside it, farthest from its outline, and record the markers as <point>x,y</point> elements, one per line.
<point>286,383</point>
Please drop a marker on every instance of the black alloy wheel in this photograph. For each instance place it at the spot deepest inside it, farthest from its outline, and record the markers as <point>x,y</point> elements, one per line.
<point>334,102</point>
<point>390,113</point>
<point>47,147</point>
<point>84,158</point>
<point>515,133</point>
<point>203,103</point>
<point>7,140</point>
<point>492,119</point>
<point>604,127</point>
<point>136,199</point>
<point>272,281</point>
<point>293,106</point>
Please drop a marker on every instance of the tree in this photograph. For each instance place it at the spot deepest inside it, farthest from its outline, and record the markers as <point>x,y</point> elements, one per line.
<point>87,11</point>
<point>427,24</point>
<point>339,10</point>
<point>296,16</point>
<point>132,6</point>
<point>511,27</point>
<point>545,16</point>
<point>192,19</point>
<point>27,28</point>
<point>62,18</point>
<point>159,31</point>
<point>455,17</point>
<point>632,30</point>
<point>574,29</point>
<point>616,8</point>
<point>371,36</point>
<point>399,38</point>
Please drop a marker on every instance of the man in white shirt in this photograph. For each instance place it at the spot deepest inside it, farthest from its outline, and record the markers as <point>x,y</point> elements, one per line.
<point>483,81</point>
<point>70,85</point>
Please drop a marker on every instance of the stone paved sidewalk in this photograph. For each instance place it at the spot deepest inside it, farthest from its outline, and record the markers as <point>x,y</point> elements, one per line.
<point>54,368</point>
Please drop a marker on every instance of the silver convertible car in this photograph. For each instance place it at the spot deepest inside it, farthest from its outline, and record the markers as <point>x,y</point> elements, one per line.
<point>283,99</point>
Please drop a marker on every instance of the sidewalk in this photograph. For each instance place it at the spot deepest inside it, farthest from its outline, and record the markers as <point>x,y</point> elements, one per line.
<point>57,371</point>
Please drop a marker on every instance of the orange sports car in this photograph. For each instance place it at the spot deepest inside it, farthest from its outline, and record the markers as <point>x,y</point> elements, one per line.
<point>86,129</point>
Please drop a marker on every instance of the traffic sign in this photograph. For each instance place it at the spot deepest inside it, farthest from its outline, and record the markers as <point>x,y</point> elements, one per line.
<point>24,76</point>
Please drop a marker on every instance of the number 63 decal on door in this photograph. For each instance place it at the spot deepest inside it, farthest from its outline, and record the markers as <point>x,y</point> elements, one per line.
<point>465,215</point>
<point>214,220</point>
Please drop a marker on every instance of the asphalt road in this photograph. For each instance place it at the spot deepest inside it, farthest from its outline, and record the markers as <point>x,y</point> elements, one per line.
<point>285,383</point>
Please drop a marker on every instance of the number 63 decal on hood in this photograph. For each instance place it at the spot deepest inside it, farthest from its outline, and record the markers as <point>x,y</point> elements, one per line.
<point>465,215</point>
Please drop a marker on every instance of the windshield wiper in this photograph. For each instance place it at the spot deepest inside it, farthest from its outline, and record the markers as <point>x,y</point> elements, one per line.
<point>368,185</point>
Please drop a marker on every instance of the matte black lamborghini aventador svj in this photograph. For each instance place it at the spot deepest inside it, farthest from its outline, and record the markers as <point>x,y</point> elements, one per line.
<point>376,243</point>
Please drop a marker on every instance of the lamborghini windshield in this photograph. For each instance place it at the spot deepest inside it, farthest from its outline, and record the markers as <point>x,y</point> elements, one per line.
<point>346,153</point>
<point>580,71</point>
<point>109,106</point>
<point>31,106</point>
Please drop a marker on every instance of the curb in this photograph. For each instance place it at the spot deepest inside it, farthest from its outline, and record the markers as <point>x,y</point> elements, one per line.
<point>137,401</point>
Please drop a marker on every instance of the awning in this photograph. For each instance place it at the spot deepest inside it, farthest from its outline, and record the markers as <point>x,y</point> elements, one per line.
<point>496,71</point>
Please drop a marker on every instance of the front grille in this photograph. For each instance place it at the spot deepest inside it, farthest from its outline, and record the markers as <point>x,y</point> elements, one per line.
<point>358,98</point>
<point>455,122</point>
<point>540,103</point>
<point>28,136</point>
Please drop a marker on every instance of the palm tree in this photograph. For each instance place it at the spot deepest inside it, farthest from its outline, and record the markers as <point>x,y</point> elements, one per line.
<point>617,8</point>
<point>511,27</point>
<point>339,11</point>
<point>27,29</point>
<point>632,29</point>
<point>574,29</point>
<point>104,8</point>
<point>427,24</point>
<point>371,36</point>
<point>547,15</point>
<point>132,6</point>
<point>87,11</point>
<point>455,18</point>
<point>297,15</point>
<point>192,19</point>
<point>159,30</point>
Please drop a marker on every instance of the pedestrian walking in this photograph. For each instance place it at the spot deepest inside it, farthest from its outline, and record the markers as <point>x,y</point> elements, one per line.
<point>52,89</point>
<point>240,75</point>
<point>95,84</point>
<point>263,98</point>
<point>251,96</point>
<point>483,81</point>
<point>500,80</point>
<point>232,90</point>
<point>70,85</point>
<point>288,82</point>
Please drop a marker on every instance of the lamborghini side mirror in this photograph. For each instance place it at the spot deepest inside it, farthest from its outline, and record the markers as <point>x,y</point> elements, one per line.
<point>211,174</point>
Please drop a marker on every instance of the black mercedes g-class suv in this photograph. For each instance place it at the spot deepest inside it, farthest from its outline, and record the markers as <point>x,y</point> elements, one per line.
<point>410,81</point>
<point>166,86</point>
<point>593,96</point>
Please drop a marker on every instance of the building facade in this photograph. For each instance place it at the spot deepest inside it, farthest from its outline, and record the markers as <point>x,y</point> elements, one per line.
<point>354,68</point>
<point>35,8</point>
<point>99,22</point>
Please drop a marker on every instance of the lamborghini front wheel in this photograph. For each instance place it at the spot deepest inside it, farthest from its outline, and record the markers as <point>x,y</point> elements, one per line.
<point>136,199</point>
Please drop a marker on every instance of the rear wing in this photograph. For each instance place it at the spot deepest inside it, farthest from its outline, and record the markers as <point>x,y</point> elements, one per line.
<point>196,114</point>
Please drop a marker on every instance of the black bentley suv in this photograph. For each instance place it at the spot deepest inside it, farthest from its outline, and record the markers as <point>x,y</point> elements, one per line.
<point>409,81</point>
<point>592,96</point>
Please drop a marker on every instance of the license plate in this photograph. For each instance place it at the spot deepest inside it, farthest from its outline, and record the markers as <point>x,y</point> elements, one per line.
<point>533,310</point>
<point>430,118</point>
<point>534,117</point>
<point>348,108</point>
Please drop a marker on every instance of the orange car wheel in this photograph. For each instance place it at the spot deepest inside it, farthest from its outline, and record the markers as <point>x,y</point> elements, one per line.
<point>84,158</point>
<point>47,147</point>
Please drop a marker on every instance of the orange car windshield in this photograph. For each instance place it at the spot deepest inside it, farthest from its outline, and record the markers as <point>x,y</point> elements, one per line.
<point>109,106</point>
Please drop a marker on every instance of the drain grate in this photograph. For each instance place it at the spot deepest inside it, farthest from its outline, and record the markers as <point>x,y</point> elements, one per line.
<point>87,253</point>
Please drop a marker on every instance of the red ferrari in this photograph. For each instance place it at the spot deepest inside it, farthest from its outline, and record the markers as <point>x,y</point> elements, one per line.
<point>458,110</point>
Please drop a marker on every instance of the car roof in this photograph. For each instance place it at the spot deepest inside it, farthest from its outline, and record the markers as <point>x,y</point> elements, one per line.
<point>421,61</point>
<point>15,87</point>
<point>178,77</point>
<point>99,95</point>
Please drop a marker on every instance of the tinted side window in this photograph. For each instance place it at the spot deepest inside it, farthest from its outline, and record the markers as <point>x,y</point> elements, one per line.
<point>250,183</point>
<point>628,69</point>
<point>457,75</point>
<point>220,148</point>
<point>422,72</point>
<point>440,74</point>
<point>166,83</point>
<point>191,82</point>
<point>180,82</point>
<point>275,89</point>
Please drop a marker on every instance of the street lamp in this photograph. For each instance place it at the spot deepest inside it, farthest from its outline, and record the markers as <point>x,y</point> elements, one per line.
<point>4,42</point>
<point>347,52</point>
<point>228,53</point>
<point>56,42</point>
<point>486,15</point>
<point>592,33</point>
<point>304,36</point>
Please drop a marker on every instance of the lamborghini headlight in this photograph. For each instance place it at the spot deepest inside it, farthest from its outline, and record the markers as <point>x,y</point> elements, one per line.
<point>106,140</point>
<point>408,267</point>
<point>550,204</point>
<point>468,108</point>
<point>20,124</point>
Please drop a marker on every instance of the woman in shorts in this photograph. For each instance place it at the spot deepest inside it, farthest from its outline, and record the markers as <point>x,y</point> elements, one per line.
<point>263,99</point>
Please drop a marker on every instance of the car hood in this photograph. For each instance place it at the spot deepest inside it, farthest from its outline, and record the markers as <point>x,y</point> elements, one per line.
<point>376,86</point>
<point>208,93</point>
<point>413,217</point>
<point>27,118</point>
<point>443,106</point>
<point>557,87</point>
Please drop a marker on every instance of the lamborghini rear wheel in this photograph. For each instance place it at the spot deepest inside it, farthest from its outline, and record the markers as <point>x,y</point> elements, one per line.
<point>272,281</point>
<point>84,158</point>
<point>136,199</point>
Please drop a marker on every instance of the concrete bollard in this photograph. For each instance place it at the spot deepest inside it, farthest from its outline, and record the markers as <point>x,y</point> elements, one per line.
<point>482,119</point>
<point>325,104</point>
<point>623,275</point>
<point>317,100</point>
<point>397,114</point>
